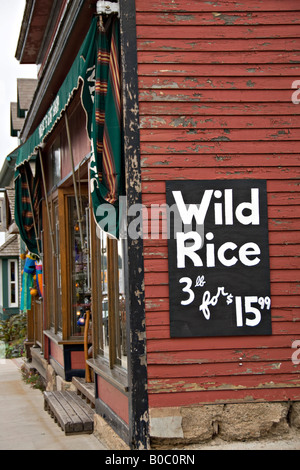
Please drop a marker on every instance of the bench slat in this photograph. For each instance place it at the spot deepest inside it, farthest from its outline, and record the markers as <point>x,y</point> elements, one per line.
<point>73,415</point>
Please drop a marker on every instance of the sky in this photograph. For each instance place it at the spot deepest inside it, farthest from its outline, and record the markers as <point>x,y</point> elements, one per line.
<point>11,15</point>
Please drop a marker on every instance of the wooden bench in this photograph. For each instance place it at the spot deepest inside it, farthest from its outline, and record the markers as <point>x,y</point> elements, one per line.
<point>70,412</point>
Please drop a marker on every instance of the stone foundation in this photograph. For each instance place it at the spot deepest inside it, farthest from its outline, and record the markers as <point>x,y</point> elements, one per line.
<point>107,435</point>
<point>230,422</point>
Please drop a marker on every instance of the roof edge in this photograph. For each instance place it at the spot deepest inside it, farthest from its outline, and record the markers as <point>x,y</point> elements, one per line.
<point>24,29</point>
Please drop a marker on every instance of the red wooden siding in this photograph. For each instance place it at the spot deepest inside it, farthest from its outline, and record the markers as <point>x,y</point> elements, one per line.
<point>77,360</point>
<point>215,84</point>
<point>115,399</point>
<point>57,353</point>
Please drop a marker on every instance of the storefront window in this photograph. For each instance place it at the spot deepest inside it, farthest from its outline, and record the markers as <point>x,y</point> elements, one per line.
<point>111,300</point>
<point>104,295</point>
<point>121,320</point>
<point>53,273</point>
<point>80,264</point>
<point>58,271</point>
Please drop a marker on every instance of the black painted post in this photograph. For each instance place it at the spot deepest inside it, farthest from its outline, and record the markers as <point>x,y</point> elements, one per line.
<point>137,359</point>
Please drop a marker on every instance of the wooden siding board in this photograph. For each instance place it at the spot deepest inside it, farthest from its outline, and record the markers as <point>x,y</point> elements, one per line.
<point>220,70</point>
<point>162,331</point>
<point>217,45</point>
<point>266,381</point>
<point>227,395</point>
<point>265,31</point>
<point>220,356</point>
<point>216,96</point>
<point>183,108</point>
<point>215,19</point>
<point>223,160</point>
<point>198,82</point>
<point>220,172</point>
<point>292,186</point>
<point>215,88</point>
<point>228,57</point>
<point>200,372</point>
<point>145,6</point>
<point>236,343</point>
<point>221,147</point>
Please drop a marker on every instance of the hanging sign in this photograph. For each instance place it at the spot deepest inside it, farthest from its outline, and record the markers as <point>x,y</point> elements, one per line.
<point>218,247</point>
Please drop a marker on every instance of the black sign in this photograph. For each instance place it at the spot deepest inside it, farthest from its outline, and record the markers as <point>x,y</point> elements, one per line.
<point>219,277</point>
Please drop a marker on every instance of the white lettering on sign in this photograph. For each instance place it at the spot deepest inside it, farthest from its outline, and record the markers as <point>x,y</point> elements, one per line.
<point>250,309</point>
<point>189,244</point>
<point>50,117</point>
<point>247,254</point>
<point>209,300</point>
<point>91,78</point>
<point>247,309</point>
<point>188,212</point>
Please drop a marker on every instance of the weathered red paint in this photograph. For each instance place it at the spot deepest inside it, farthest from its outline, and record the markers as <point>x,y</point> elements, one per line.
<point>113,398</point>
<point>215,87</point>
<point>77,360</point>
<point>215,5</point>
<point>56,353</point>
<point>221,45</point>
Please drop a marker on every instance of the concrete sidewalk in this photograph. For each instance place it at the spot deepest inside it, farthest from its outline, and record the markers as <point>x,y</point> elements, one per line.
<point>24,424</point>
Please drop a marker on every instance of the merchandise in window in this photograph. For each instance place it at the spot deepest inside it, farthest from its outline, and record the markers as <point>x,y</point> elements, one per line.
<point>79,262</point>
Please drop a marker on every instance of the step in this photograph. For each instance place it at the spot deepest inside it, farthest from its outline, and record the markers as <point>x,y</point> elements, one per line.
<point>71,412</point>
<point>85,390</point>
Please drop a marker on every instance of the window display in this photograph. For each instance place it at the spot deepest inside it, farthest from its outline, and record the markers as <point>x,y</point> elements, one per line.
<point>79,262</point>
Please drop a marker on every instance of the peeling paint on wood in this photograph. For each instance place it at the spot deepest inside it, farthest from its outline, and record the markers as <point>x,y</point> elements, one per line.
<point>267,32</point>
<point>215,6</point>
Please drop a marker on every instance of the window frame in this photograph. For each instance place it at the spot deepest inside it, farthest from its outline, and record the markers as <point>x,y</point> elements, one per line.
<point>56,269</point>
<point>59,199</point>
<point>50,260</point>
<point>10,282</point>
<point>71,268</point>
<point>112,360</point>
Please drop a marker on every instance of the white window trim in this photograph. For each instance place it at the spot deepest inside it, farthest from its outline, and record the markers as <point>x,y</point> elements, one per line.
<point>16,282</point>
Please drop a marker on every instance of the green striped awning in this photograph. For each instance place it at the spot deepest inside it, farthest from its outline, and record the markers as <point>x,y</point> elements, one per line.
<point>106,162</point>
